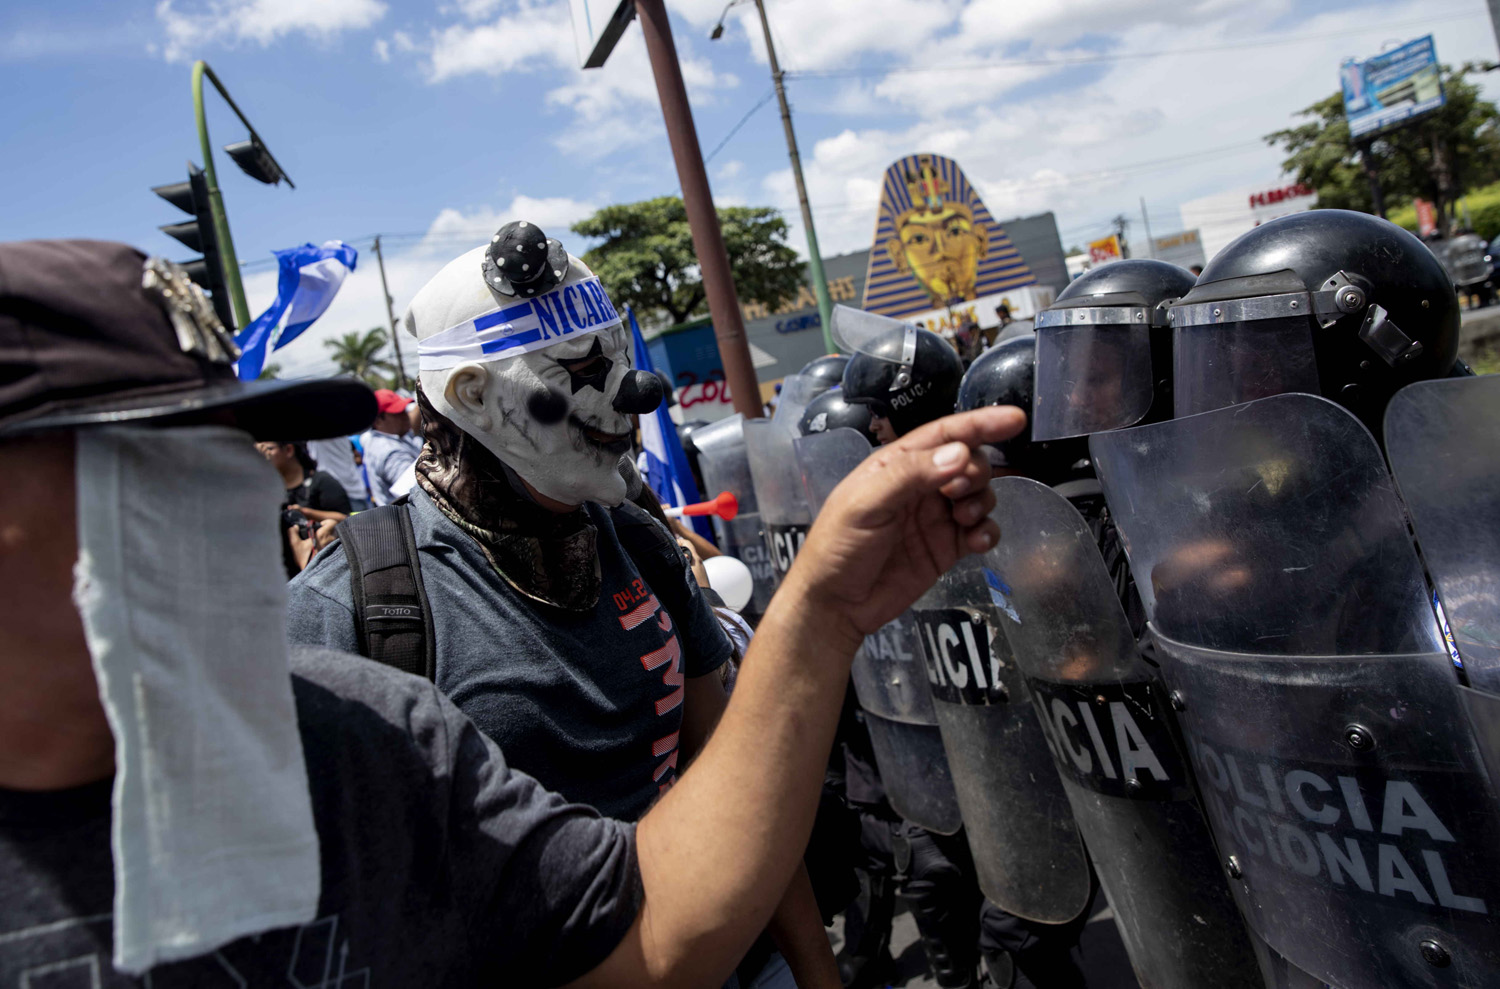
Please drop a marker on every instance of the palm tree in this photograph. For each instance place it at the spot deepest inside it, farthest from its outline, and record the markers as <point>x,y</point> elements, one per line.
<point>359,354</point>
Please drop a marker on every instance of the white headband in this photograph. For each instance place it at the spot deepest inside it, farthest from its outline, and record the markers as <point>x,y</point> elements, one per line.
<point>512,330</point>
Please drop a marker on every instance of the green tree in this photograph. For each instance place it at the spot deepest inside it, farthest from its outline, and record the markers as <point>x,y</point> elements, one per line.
<point>646,259</point>
<point>359,354</point>
<point>1438,158</point>
<point>269,372</point>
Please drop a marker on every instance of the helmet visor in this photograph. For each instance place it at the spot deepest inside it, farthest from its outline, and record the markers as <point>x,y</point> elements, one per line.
<point>1093,371</point>
<point>1235,351</point>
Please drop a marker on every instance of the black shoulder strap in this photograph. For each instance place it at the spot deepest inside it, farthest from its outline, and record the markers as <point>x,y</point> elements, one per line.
<point>391,613</point>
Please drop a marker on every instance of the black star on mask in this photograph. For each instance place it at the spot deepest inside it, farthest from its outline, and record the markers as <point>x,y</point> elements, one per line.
<point>590,370</point>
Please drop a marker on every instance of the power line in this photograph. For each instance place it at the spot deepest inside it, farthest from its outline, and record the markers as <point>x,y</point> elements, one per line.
<point>736,128</point>
<point>1064,60</point>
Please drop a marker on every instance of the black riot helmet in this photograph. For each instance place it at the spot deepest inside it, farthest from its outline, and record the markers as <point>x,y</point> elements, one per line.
<point>905,375</point>
<point>1104,350</point>
<point>828,368</point>
<point>1004,375</point>
<point>1331,302</point>
<point>830,411</point>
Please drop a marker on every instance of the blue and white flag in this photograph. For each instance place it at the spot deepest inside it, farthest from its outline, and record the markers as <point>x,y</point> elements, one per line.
<point>310,277</point>
<point>663,463</point>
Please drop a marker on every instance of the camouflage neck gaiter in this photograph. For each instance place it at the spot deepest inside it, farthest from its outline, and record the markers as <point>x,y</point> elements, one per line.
<point>550,558</point>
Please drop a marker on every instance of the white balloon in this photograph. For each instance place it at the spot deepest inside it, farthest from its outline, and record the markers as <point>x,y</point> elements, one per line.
<point>731,579</point>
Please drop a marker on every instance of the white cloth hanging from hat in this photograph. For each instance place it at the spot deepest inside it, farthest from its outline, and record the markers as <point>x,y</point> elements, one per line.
<point>180,586</point>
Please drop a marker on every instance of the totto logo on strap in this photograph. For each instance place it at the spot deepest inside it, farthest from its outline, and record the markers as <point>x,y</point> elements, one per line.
<point>508,331</point>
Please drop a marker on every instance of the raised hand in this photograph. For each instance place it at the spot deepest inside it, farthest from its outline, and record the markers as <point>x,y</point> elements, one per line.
<point>901,519</point>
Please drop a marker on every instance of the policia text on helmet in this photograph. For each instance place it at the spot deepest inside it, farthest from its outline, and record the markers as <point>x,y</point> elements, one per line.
<point>1331,302</point>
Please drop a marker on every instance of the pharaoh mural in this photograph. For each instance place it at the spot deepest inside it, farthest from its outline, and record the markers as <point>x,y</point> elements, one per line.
<point>936,244</point>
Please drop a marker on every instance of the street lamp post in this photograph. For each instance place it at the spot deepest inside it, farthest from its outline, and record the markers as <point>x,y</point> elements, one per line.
<point>254,159</point>
<point>815,257</point>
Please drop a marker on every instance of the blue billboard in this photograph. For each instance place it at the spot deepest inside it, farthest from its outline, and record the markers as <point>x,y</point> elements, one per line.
<point>1392,88</point>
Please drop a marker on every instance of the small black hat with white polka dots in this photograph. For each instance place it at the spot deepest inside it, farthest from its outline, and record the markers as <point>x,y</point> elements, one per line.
<point>521,261</point>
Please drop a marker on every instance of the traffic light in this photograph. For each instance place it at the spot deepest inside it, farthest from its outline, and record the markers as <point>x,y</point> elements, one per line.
<point>255,161</point>
<point>198,234</point>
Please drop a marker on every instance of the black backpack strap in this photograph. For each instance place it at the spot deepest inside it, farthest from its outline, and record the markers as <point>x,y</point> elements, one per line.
<point>391,614</point>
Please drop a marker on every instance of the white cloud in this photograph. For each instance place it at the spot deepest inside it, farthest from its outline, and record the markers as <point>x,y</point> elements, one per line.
<point>190,29</point>
<point>729,170</point>
<point>382,49</point>
<point>553,214</point>
<point>1089,144</point>
<point>535,36</point>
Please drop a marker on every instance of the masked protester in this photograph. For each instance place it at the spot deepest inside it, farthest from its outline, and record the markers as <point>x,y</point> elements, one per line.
<point>186,799</point>
<point>524,536</point>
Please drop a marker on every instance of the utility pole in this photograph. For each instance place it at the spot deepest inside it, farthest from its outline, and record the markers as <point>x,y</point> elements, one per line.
<point>1494,6</point>
<point>1146,222</point>
<point>1372,173</point>
<point>401,379</point>
<point>708,240</point>
<point>815,257</point>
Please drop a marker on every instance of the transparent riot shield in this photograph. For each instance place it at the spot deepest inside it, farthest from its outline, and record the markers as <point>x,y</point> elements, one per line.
<point>725,464</point>
<point>1443,439</point>
<point>889,672</point>
<point>1105,716</point>
<point>1027,853</point>
<point>1322,713</point>
<point>784,512</point>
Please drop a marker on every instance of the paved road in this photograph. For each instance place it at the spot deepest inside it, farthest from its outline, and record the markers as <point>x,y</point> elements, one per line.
<point>1104,960</point>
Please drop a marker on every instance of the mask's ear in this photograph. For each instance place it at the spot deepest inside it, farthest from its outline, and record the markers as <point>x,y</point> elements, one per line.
<point>464,392</point>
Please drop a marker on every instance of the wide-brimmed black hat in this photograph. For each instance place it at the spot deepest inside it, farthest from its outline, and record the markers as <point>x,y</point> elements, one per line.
<point>522,261</point>
<point>93,332</point>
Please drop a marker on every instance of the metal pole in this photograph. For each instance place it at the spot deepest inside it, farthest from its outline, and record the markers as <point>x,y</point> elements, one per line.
<point>815,257</point>
<point>1367,160</point>
<point>708,241</point>
<point>1146,222</point>
<point>391,315</point>
<point>227,259</point>
<point>1494,6</point>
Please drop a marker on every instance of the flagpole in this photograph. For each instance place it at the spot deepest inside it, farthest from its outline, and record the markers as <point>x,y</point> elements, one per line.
<point>391,315</point>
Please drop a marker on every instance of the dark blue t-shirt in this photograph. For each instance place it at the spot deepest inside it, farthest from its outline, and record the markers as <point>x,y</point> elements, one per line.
<point>440,865</point>
<point>588,704</point>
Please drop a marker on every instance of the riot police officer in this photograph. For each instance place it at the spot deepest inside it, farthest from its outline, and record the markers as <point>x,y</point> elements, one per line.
<point>1104,350</point>
<point>831,411</point>
<point>906,376</point>
<point>1019,840</point>
<point>1292,618</point>
<point>828,369</point>
<point>1327,302</point>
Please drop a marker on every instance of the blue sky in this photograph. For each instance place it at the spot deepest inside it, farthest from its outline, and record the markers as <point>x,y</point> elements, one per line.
<point>434,123</point>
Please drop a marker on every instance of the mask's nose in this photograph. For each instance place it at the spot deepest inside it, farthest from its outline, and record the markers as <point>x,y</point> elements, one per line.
<point>640,392</point>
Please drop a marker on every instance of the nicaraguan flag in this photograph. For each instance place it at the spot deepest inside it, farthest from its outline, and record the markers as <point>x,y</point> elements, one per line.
<point>310,277</point>
<point>662,462</point>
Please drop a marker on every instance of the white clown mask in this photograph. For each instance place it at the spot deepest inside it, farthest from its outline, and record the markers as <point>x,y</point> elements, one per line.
<point>537,367</point>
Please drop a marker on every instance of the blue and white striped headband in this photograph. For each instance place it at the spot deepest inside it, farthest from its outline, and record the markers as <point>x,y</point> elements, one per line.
<point>512,330</point>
